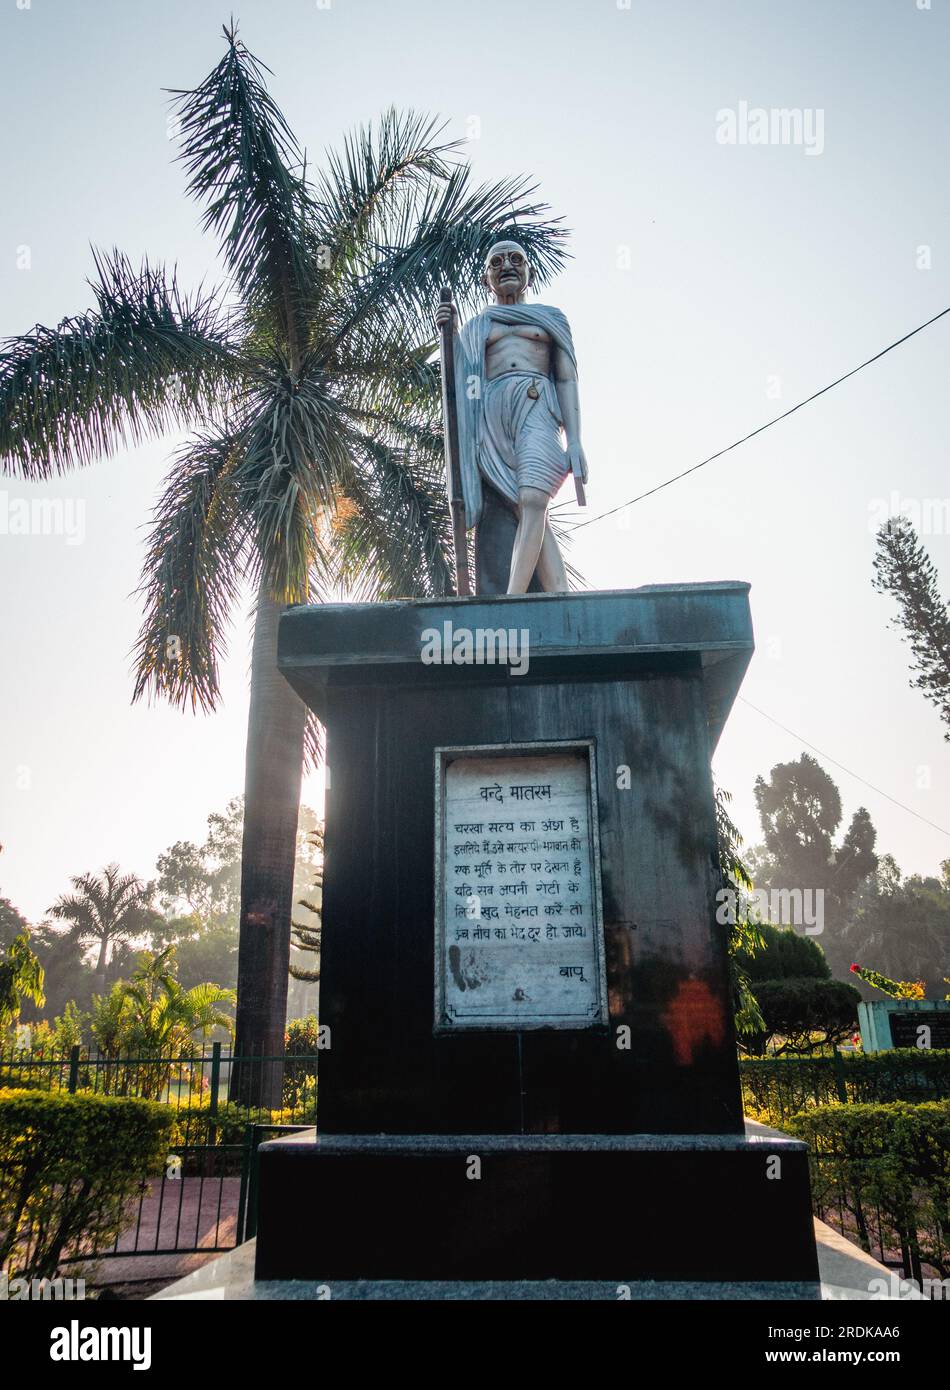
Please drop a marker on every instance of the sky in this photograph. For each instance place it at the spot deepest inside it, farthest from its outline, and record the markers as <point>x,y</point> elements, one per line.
<point>715,282</point>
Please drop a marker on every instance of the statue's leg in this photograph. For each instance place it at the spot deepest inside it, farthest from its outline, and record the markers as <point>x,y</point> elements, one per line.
<point>551,571</point>
<point>495,543</point>
<point>532,513</point>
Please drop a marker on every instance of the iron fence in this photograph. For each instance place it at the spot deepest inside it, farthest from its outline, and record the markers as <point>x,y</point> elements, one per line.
<point>205,1199</point>
<point>775,1088</point>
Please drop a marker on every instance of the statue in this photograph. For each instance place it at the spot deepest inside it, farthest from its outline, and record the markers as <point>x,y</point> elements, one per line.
<point>515,391</point>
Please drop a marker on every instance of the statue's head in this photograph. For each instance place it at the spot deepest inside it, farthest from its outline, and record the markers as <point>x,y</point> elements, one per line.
<point>508,271</point>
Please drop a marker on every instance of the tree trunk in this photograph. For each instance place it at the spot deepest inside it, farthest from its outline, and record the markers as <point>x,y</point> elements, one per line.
<point>275,744</point>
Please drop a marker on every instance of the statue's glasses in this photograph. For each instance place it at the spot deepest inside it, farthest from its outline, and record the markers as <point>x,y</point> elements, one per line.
<point>514,258</point>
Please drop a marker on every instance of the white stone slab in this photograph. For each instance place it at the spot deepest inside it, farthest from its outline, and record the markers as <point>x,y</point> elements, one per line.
<point>519,928</point>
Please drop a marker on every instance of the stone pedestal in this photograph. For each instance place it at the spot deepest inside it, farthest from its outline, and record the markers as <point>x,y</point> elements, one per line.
<point>605,1144</point>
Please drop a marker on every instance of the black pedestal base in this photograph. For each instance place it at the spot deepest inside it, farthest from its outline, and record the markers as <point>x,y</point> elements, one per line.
<point>694,1209</point>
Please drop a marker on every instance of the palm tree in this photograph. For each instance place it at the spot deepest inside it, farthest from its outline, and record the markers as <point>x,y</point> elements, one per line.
<point>316,455</point>
<point>106,909</point>
<point>162,1013</point>
<point>153,1016</point>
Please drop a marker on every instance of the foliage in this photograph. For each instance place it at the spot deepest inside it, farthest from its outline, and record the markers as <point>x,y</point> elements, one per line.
<point>889,1162</point>
<point>785,954</point>
<point>305,937</point>
<point>107,908</point>
<point>903,569</point>
<point>67,1029</point>
<point>12,923</point>
<point>21,977</point>
<point>902,924</point>
<point>800,811</point>
<point>894,989</point>
<point>201,884</point>
<point>744,933</point>
<point>801,1008</point>
<point>68,975</point>
<point>107,1020</point>
<point>302,1038</point>
<point>208,953</point>
<point>196,1124</point>
<point>806,1014</point>
<point>70,1165</point>
<point>775,1087</point>
<point>153,1016</point>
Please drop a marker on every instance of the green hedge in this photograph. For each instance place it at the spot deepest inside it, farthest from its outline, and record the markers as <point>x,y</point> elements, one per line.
<point>889,1167</point>
<point>775,1087</point>
<point>194,1124</point>
<point>69,1167</point>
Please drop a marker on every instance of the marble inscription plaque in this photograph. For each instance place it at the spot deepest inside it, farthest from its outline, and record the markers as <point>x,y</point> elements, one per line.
<point>519,928</point>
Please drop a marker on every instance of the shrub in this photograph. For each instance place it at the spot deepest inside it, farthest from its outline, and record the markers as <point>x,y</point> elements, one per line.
<point>69,1167</point>
<point>302,1038</point>
<point>785,955</point>
<point>889,1167</point>
<point>195,1125</point>
<point>807,1012</point>
<point>776,1087</point>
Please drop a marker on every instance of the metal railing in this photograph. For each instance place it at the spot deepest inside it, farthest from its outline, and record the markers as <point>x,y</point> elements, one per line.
<point>205,1200</point>
<point>775,1088</point>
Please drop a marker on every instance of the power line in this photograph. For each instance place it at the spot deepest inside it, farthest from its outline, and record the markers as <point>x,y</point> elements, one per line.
<point>855,775</point>
<point>769,423</point>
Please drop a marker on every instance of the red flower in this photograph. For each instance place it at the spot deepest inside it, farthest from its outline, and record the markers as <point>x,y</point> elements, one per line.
<point>855,967</point>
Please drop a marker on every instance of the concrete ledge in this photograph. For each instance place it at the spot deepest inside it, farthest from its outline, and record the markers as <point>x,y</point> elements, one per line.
<point>846,1274</point>
<point>595,634</point>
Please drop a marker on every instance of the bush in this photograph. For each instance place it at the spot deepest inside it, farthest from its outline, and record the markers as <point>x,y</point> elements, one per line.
<point>889,1167</point>
<point>195,1125</point>
<point>70,1165</point>
<point>807,1012</point>
<point>785,955</point>
<point>775,1087</point>
<point>302,1037</point>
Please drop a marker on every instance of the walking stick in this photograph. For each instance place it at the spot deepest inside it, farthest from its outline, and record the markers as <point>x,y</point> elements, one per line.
<point>453,462</point>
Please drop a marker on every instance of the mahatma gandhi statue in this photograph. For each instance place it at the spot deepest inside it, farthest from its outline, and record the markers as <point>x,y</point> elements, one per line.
<point>516,393</point>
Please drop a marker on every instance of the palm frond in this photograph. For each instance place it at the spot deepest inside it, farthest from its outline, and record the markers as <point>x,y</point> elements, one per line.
<point>294,451</point>
<point>394,538</point>
<point>360,184</point>
<point>439,236</point>
<point>244,162</point>
<point>192,573</point>
<point>146,360</point>
<point>314,745</point>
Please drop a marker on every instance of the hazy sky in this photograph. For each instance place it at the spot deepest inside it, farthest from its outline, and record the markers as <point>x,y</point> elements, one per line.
<point>713,286</point>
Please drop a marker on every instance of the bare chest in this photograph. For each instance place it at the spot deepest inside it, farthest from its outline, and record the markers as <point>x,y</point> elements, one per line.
<point>517,335</point>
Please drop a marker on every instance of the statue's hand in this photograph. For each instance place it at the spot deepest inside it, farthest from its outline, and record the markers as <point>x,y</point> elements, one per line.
<point>446,314</point>
<point>578,461</point>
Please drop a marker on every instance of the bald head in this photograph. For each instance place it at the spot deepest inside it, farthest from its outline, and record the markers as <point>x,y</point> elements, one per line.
<point>508,272</point>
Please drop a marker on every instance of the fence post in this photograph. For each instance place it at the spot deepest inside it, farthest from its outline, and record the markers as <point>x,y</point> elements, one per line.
<point>838,1063</point>
<point>215,1075</point>
<point>241,1234</point>
<point>73,1069</point>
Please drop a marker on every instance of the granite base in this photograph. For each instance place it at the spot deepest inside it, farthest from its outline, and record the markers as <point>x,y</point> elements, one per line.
<point>695,1209</point>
